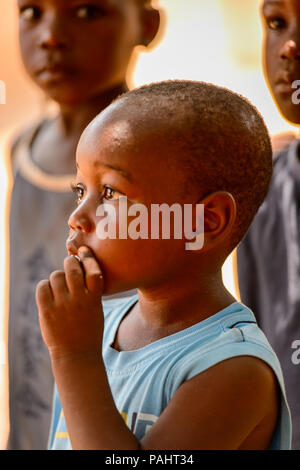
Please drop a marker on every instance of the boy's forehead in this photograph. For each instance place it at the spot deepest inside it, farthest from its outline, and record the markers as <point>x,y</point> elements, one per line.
<point>108,138</point>
<point>272,2</point>
<point>279,3</point>
<point>266,4</point>
<point>122,4</point>
<point>107,130</point>
<point>121,125</point>
<point>125,142</point>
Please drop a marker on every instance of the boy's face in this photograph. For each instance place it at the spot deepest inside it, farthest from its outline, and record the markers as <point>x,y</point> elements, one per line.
<point>281,22</point>
<point>75,49</point>
<point>116,157</point>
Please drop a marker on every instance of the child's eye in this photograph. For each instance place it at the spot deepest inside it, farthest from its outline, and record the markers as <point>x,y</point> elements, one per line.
<point>79,190</point>
<point>30,13</point>
<point>276,23</point>
<point>89,12</point>
<point>110,194</point>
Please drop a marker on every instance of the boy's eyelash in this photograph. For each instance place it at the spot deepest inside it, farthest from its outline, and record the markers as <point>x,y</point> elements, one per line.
<point>76,190</point>
<point>36,12</point>
<point>79,190</point>
<point>84,12</point>
<point>280,22</point>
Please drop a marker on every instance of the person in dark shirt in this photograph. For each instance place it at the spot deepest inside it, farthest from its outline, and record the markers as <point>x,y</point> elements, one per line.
<point>268,259</point>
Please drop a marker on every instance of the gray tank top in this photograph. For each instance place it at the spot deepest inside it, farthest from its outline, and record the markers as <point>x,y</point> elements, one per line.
<point>40,207</point>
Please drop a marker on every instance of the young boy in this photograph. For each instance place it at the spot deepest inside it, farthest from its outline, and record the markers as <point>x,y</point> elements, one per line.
<point>77,53</point>
<point>269,257</point>
<point>175,366</point>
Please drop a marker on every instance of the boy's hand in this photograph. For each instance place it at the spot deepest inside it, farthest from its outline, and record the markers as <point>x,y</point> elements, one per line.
<point>70,309</point>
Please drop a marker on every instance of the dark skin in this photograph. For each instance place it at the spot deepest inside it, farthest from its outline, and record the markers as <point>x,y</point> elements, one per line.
<point>281,52</point>
<point>78,53</point>
<point>176,289</point>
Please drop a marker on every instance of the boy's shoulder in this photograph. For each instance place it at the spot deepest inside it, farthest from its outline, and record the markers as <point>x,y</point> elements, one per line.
<point>233,332</point>
<point>21,140</point>
<point>25,134</point>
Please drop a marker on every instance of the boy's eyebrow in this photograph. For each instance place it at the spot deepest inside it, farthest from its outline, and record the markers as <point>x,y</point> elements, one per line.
<point>124,173</point>
<point>272,2</point>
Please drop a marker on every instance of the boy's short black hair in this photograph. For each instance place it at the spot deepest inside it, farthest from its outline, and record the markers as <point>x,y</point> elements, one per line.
<point>219,136</point>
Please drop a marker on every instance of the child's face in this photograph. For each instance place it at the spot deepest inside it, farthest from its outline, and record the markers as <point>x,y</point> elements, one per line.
<point>281,20</point>
<point>116,157</point>
<point>75,49</point>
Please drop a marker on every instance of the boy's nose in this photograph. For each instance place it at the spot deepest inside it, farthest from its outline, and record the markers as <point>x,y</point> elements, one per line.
<point>53,35</point>
<point>290,49</point>
<point>79,222</point>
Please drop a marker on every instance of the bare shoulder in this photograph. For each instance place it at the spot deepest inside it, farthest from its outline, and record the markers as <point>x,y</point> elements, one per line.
<point>232,405</point>
<point>246,381</point>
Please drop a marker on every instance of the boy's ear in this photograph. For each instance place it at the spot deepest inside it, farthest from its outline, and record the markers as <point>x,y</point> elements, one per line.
<point>219,217</point>
<point>151,22</point>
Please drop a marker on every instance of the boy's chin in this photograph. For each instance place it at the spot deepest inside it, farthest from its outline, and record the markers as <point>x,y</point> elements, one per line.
<point>117,288</point>
<point>290,112</point>
<point>293,117</point>
<point>63,93</point>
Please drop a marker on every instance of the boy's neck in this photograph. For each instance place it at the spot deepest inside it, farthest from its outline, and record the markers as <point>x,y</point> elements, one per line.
<point>184,304</point>
<point>73,118</point>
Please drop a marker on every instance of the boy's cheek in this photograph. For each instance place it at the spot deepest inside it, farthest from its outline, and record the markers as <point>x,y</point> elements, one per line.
<point>133,260</point>
<point>122,263</point>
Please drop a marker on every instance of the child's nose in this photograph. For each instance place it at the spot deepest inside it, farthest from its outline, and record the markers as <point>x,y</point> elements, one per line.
<point>53,34</point>
<point>291,49</point>
<point>79,221</point>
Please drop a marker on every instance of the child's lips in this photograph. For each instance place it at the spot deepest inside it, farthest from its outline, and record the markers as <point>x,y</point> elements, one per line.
<point>284,87</point>
<point>54,72</point>
<point>284,84</point>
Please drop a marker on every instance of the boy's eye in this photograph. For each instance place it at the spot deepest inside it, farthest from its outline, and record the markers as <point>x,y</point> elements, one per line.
<point>276,23</point>
<point>78,189</point>
<point>89,12</point>
<point>110,194</point>
<point>30,13</point>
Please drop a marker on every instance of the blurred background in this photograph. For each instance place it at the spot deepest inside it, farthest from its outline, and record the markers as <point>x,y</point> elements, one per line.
<point>217,41</point>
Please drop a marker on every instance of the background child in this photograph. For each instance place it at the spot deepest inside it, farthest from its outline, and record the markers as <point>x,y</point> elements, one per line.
<point>269,257</point>
<point>179,339</point>
<point>78,54</point>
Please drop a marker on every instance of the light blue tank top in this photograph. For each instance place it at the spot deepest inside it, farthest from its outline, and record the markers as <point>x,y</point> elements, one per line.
<point>143,381</point>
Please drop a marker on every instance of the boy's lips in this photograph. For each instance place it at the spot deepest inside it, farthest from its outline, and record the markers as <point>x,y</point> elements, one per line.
<point>54,72</point>
<point>284,84</point>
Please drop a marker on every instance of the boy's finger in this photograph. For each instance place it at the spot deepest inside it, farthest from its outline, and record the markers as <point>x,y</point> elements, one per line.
<point>58,284</point>
<point>44,296</point>
<point>93,273</point>
<point>74,274</point>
